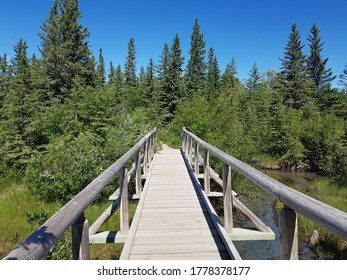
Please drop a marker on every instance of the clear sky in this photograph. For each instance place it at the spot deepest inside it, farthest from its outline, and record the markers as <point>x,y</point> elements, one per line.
<point>249,30</point>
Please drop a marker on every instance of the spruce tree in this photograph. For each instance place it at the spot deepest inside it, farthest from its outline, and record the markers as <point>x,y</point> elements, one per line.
<point>343,79</point>
<point>254,82</point>
<point>229,80</point>
<point>196,68</point>
<point>213,75</point>
<point>319,74</point>
<point>295,83</point>
<point>101,70</point>
<point>111,74</point>
<point>130,65</point>
<point>65,51</point>
<point>174,88</point>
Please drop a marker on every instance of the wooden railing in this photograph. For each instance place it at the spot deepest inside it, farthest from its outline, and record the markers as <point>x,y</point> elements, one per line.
<point>39,243</point>
<point>329,217</point>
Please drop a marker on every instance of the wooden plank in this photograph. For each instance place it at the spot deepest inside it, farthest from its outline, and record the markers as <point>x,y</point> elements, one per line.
<point>144,240</point>
<point>182,256</point>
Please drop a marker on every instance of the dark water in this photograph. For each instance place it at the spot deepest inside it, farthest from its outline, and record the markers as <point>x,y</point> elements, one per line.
<point>264,207</point>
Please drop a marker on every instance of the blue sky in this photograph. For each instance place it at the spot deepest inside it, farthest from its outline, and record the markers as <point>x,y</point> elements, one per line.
<point>250,30</point>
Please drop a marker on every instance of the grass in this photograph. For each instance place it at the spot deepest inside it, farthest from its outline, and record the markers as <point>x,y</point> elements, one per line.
<point>17,204</point>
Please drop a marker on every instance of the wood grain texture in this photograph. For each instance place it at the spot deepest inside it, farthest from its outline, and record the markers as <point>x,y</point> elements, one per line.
<point>173,222</point>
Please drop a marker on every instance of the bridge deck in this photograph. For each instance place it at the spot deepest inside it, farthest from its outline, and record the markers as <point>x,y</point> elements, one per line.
<point>172,220</point>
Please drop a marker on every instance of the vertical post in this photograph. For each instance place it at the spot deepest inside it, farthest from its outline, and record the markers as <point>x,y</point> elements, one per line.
<point>138,174</point>
<point>289,234</point>
<point>206,172</point>
<point>148,152</point>
<point>80,239</point>
<point>196,158</point>
<point>186,144</point>
<point>227,198</point>
<point>190,150</point>
<point>145,160</point>
<point>124,212</point>
<point>152,147</point>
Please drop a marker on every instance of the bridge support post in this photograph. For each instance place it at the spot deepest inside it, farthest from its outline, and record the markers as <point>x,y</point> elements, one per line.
<point>145,160</point>
<point>289,234</point>
<point>124,203</point>
<point>138,174</point>
<point>80,239</point>
<point>227,198</point>
<point>206,165</point>
<point>196,158</point>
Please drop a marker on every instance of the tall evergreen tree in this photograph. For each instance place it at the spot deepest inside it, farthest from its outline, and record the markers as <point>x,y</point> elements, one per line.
<point>254,82</point>
<point>229,80</point>
<point>319,74</point>
<point>101,70</point>
<point>213,75</point>
<point>295,83</point>
<point>111,73</point>
<point>130,65</point>
<point>196,68</point>
<point>65,51</point>
<point>343,79</point>
<point>174,90</point>
<point>20,106</point>
<point>163,68</point>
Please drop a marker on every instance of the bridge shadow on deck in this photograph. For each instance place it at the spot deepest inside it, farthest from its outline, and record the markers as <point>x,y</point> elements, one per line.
<point>222,250</point>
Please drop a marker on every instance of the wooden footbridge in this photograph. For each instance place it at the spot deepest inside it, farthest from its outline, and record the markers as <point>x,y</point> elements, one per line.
<point>174,218</point>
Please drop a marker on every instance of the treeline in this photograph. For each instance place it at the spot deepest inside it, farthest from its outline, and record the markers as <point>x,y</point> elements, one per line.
<point>65,117</point>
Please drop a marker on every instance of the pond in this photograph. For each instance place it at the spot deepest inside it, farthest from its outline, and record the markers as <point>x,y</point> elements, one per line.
<point>264,207</point>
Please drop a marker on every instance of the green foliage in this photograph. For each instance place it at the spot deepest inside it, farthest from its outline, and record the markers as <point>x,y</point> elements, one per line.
<point>196,68</point>
<point>66,168</point>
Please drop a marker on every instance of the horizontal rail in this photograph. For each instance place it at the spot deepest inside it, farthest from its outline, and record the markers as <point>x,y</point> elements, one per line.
<point>38,244</point>
<point>325,215</point>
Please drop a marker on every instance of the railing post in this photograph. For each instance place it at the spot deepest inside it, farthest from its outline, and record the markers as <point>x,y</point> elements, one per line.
<point>206,172</point>
<point>148,152</point>
<point>80,239</point>
<point>227,198</point>
<point>145,160</point>
<point>190,150</point>
<point>196,158</point>
<point>124,203</point>
<point>138,174</point>
<point>289,234</point>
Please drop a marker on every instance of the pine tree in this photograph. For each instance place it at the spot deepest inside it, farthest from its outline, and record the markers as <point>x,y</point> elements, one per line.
<point>101,70</point>
<point>163,68</point>
<point>111,74</point>
<point>343,79</point>
<point>65,51</point>
<point>174,83</point>
<point>295,83</point>
<point>20,106</point>
<point>254,82</point>
<point>229,80</point>
<point>213,75</point>
<point>130,65</point>
<point>196,68</point>
<point>318,73</point>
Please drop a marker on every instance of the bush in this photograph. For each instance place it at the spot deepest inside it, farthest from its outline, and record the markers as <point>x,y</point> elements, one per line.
<point>67,167</point>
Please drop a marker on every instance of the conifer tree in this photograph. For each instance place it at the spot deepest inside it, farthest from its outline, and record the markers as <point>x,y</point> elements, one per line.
<point>343,79</point>
<point>20,106</point>
<point>213,75</point>
<point>130,65</point>
<point>111,74</point>
<point>163,68</point>
<point>65,51</point>
<point>101,70</point>
<point>319,74</point>
<point>295,83</point>
<point>196,68</point>
<point>229,79</point>
<point>254,82</point>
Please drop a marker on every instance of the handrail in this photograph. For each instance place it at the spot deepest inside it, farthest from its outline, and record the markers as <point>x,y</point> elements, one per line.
<point>38,244</point>
<point>325,215</point>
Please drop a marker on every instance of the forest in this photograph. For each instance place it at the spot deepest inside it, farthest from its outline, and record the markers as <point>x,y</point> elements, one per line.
<point>66,116</point>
